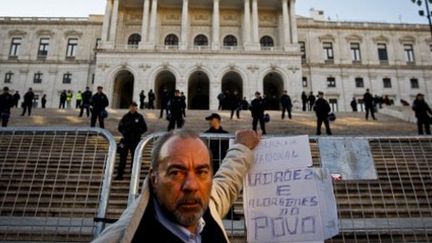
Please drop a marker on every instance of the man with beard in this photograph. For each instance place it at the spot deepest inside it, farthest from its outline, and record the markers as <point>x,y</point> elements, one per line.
<point>180,200</point>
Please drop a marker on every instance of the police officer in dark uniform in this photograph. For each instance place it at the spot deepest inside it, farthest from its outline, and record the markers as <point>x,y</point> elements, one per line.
<point>99,102</point>
<point>175,106</point>
<point>369,104</point>
<point>286,104</point>
<point>131,126</point>
<point>164,98</point>
<point>16,97</point>
<point>257,108</point>
<point>422,112</point>
<point>218,152</point>
<point>304,100</point>
<point>6,103</point>
<point>322,109</point>
<point>86,98</point>
<point>28,102</point>
<point>312,100</point>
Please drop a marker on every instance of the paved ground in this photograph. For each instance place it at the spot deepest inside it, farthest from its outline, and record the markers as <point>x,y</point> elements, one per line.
<point>302,122</point>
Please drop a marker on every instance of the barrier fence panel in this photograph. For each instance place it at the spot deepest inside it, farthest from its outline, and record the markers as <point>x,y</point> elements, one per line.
<point>396,207</point>
<point>52,183</point>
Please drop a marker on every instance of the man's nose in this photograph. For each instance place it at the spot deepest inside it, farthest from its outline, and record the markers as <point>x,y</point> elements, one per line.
<point>190,183</point>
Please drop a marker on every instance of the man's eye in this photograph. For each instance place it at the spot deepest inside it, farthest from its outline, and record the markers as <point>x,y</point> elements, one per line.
<point>203,172</point>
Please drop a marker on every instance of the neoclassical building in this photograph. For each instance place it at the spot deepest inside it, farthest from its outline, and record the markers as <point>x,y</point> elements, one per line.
<point>205,47</point>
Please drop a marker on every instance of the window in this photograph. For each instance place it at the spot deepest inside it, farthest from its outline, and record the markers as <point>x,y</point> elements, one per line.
<point>134,40</point>
<point>201,40</point>
<point>305,82</point>
<point>328,51</point>
<point>98,43</point>
<point>382,53</point>
<point>15,47</point>
<point>387,83</point>
<point>37,79</point>
<point>67,78</point>
<point>359,83</point>
<point>8,77</point>
<point>331,82</point>
<point>334,104</point>
<point>71,48</point>
<point>43,47</point>
<point>171,40</point>
<point>230,40</point>
<point>266,42</point>
<point>355,52</point>
<point>409,53</point>
<point>414,83</point>
<point>303,50</point>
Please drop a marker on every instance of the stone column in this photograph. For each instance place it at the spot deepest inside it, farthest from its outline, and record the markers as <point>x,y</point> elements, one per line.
<point>145,23</point>
<point>255,22</point>
<point>286,26</point>
<point>184,25</point>
<point>106,23</point>
<point>246,23</point>
<point>216,26</point>
<point>153,23</point>
<point>114,22</point>
<point>294,34</point>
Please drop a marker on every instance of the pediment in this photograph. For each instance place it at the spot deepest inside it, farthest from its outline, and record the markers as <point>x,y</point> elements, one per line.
<point>327,37</point>
<point>73,33</point>
<point>17,33</point>
<point>45,33</point>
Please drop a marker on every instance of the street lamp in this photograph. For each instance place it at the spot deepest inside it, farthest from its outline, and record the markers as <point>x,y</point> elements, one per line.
<point>426,14</point>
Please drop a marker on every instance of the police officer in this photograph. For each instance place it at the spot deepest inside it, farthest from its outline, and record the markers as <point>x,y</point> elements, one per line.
<point>6,103</point>
<point>369,104</point>
<point>28,102</point>
<point>151,98</point>
<point>175,106</point>
<point>422,112</point>
<point>304,100</point>
<point>164,98</point>
<point>257,109</point>
<point>99,102</point>
<point>78,99</point>
<point>286,104</point>
<point>142,99</point>
<point>86,97</point>
<point>322,109</point>
<point>63,97</point>
<point>16,97</point>
<point>131,126</point>
<point>312,100</point>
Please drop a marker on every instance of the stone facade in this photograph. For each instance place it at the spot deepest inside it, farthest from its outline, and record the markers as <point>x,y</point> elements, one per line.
<point>201,49</point>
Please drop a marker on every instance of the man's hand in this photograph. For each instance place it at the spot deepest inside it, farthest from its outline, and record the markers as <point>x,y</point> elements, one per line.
<point>248,138</point>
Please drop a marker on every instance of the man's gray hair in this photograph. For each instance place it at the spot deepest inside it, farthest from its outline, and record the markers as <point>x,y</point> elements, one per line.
<point>182,133</point>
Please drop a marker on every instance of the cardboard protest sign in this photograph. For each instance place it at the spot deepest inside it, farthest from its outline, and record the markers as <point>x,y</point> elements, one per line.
<point>284,200</point>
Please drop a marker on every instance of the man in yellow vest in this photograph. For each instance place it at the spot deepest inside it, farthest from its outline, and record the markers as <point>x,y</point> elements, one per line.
<point>78,100</point>
<point>69,96</point>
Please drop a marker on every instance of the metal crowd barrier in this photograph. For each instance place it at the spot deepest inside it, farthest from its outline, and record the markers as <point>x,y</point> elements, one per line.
<point>54,182</point>
<point>395,207</point>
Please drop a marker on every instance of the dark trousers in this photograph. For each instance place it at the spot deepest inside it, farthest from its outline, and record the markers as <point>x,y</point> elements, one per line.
<point>62,104</point>
<point>423,123</point>
<point>288,110</point>
<point>97,116</point>
<point>151,105</point>
<point>162,111</point>
<point>129,147</point>
<point>326,122</point>
<point>4,119</point>
<point>237,111</point>
<point>261,122</point>
<point>28,108</point>
<point>220,106</point>
<point>175,120</point>
<point>85,107</point>
<point>310,106</point>
<point>304,106</point>
<point>78,104</point>
<point>142,105</point>
<point>371,110</point>
<point>43,105</point>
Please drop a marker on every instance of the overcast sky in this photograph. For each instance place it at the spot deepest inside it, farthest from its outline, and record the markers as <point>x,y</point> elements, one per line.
<point>394,11</point>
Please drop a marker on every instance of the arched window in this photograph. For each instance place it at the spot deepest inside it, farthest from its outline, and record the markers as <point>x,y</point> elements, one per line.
<point>201,40</point>
<point>171,40</point>
<point>134,40</point>
<point>230,40</point>
<point>267,41</point>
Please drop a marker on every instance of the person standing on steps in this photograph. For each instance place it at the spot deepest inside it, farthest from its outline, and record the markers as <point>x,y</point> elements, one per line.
<point>257,108</point>
<point>286,104</point>
<point>86,100</point>
<point>28,102</point>
<point>142,99</point>
<point>322,110</point>
<point>6,103</point>
<point>99,102</point>
<point>132,126</point>
<point>151,98</point>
